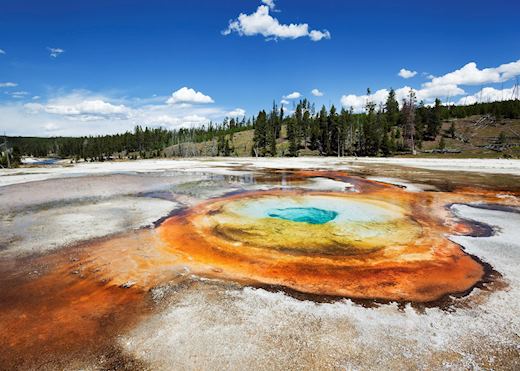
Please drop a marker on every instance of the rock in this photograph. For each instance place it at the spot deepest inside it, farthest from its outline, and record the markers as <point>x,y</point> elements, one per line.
<point>128,284</point>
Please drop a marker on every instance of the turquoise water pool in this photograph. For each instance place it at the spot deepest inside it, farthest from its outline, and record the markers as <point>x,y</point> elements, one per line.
<point>309,215</point>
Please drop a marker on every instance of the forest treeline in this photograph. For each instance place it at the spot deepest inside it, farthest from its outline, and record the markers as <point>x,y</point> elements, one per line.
<point>381,130</point>
<point>142,142</point>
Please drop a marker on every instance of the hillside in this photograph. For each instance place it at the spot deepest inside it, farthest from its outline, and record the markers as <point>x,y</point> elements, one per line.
<point>481,130</point>
<point>477,136</point>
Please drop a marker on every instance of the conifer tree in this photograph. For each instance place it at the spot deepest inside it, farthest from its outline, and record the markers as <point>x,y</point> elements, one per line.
<point>260,135</point>
<point>334,132</point>
<point>324,132</point>
<point>370,129</point>
<point>292,137</point>
<point>391,110</point>
<point>433,121</point>
<point>305,126</point>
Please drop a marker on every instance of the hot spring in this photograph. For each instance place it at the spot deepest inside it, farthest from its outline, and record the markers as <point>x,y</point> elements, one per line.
<point>378,244</point>
<point>309,215</point>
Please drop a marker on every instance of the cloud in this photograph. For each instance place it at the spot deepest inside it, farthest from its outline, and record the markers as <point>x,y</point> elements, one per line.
<point>269,3</point>
<point>180,122</point>
<point>406,74</point>
<point>82,112</point>
<point>176,116</point>
<point>194,120</point>
<point>425,94</point>
<point>358,102</point>
<point>8,84</point>
<point>293,95</point>
<point>18,94</point>
<point>188,95</point>
<point>445,86</point>
<point>284,102</point>
<point>262,23</point>
<point>317,93</point>
<point>488,94</point>
<point>80,108</point>
<point>316,35</point>
<point>51,126</point>
<point>55,52</point>
<point>2,51</point>
<point>470,74</point>
<point>237,112</point>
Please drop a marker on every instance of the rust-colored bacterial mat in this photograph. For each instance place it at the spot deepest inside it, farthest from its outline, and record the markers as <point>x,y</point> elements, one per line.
<point>379,242</point>
<point>372,241</point>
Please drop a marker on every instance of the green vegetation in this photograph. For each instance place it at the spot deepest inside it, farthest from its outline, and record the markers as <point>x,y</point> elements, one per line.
<point>383,130</point>
<point>379,131</point>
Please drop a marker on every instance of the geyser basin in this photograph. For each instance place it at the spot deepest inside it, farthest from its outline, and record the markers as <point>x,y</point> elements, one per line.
<point>381,244</point>
<point>309,215</point>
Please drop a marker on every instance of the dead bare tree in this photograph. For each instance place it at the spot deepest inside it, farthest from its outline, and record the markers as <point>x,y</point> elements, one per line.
<point>409,121</point>
<point>6,152</point>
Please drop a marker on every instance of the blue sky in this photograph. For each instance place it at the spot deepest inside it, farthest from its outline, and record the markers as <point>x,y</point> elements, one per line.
<point>80,67</point>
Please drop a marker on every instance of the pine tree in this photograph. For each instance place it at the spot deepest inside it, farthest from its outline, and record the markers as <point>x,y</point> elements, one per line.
<point>334,132</point>
<point>305,126</point>
<point>391,110</point>
<point>433,121</point>
<point>298,127</point>
<point>421,114</point>
<point>324,140</point>
<point>260,135</point>
<point>385,145</point>
<point>292,137</point>
<point>370,129</point>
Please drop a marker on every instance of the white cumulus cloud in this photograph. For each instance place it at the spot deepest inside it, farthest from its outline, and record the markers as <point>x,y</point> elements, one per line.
<point>406,74</point>
<point>293,95</point>
<point>8,84</point>
<point>193,120</point>
<point>317,93</point>
<point>188,95</point>
<point>237,112</point>
<point>447,86</point>
<point>489,94</point>
<point>316,35</point>
<point>470,74</point>
<point>269,3</point>
<point>82,112</point>
<point>78,107</point>
<point>358,102</point>
<point>262,23</point>
<point>425,94</point>
<point>167,120</point>
<point>55,52</point>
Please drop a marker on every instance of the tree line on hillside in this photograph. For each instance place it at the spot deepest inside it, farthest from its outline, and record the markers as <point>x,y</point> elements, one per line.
<point>381,130</point>
<point>144,142</point>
